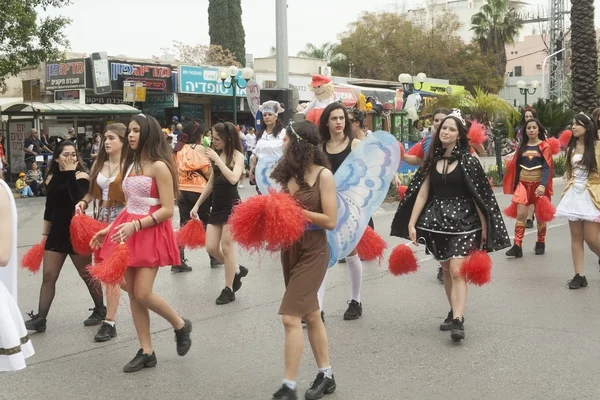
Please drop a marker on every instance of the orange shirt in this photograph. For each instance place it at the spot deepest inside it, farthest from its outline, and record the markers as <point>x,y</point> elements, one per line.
<point>193,169</point>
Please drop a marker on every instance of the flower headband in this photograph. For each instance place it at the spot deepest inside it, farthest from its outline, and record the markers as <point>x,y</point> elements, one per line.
<point>291,129</point>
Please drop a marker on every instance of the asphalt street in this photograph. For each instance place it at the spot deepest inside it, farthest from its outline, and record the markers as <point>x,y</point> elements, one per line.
<point>527,335</point>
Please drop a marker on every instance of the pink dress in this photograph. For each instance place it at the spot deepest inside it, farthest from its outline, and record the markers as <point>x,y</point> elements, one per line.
<point>154,246</point>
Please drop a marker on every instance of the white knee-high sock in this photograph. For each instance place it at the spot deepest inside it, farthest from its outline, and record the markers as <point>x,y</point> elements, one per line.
<point>321,292</point>
<point>355,268</point>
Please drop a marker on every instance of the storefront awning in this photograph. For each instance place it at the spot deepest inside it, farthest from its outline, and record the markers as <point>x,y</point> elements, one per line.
<point>68,109</point>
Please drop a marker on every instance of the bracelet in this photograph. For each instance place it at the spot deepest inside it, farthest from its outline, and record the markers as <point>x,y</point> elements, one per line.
<point>86,203</point>
<point>135,226</point>
<point>154,219</point>
<point>45,234</point>
<point>139,221</point>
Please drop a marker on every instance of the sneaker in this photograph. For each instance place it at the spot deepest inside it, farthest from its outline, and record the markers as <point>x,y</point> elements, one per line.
<point>354,310</point>
<point>214,263</point>
<point>97,317</point>
<point>440,275</point>
<point>183,267</point>
<point>227,296</point>
<point>515,251</point>
<point>320,387</point>
<point>237,280</point>
<point>577,282</point>
<point>285,393</point>
<point>106,332</point>
<point>182,337</point>
<point>539,249</point>
<point>457,330</point>
<point>447,324</point>
<point>529,224</point>
<point>35,323</point>
<point>140,361</point>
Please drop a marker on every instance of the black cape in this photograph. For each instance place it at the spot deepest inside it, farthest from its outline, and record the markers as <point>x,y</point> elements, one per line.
<point>479,188</point>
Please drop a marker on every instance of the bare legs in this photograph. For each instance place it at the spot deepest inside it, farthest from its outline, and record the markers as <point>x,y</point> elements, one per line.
<point>113,296</point>
<point>219,244</point>
<point>583,231</point>
<point>455,286</point>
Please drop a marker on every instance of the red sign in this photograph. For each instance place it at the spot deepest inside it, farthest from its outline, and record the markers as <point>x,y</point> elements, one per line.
<point>345,95</point>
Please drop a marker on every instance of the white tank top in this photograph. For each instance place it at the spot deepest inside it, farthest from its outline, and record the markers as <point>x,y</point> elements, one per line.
<point>104,184</point>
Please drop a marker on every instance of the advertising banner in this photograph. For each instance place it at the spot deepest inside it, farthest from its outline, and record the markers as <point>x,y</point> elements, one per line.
<point>205,80</point>
<point>69,74</point>
<point>17,132</point>
<point>157,78</point>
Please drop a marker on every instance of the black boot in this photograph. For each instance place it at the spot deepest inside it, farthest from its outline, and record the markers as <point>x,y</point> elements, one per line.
<point>97,317</point>
<point>540,248</point>
<point>35,323</point>
<point>515,251</point>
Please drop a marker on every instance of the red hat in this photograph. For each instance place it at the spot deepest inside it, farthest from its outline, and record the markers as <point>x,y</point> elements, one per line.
<point>318,80</point>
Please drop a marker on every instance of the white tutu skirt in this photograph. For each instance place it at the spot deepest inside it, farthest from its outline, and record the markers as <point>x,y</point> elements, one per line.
<point>15,345</point>
<point>577,205</point>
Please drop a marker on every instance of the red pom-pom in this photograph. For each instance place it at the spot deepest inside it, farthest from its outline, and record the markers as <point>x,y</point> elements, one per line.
<point>415,150</point>
<point>371,245</point>
<point>477,268</point>
<point>544,210</point>
<point>402,191</point>
<point>247,223</point>
<point>284,220</point>
<point>564,138</point>
<point>82,230</point>
<point>112,270</point>
<point>554,145</point>
<point>402,261</point>
<point>32,260</point>
<point>192,235</point>
<point>477,134</point>
<point>511,211</point>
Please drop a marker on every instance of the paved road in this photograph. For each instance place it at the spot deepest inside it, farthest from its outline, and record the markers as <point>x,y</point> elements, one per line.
<point>528,335</point>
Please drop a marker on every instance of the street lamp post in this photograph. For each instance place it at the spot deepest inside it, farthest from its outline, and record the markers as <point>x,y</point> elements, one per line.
<point>232,73</point>
<point>409,86</point>
<point>525,91</point>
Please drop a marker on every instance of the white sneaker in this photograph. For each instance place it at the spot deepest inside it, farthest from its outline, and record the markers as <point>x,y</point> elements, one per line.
<point>241,186</point>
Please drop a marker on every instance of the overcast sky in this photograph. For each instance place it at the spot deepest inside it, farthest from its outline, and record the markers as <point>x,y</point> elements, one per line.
<point>140,28</point>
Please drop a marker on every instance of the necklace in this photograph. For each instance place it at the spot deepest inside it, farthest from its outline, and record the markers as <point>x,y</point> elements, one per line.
<point>110,173</point>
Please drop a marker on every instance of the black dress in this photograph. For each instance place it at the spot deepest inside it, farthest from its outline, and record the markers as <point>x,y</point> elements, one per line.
<point>64,192</point>
<point>224,197</point>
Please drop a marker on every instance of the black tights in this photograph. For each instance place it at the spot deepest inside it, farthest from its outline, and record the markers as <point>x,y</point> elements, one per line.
<point>53,263</point>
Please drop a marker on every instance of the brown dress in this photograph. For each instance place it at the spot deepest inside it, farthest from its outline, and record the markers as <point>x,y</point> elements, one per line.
<point>305,262</point>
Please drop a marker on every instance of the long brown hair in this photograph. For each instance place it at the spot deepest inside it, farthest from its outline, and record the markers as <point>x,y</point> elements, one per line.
<point>462,142</point>
<point>120,130</point>
<point>324,129</point>
<point>152,146</point>
<point>231,138</point>
<point>588,162</point>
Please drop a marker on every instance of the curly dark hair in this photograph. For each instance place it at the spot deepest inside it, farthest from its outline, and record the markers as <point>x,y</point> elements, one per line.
<point>300,153</point>
<point>436,143</point>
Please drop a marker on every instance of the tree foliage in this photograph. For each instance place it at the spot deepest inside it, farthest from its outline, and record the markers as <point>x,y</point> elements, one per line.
<point>495,25</point>
<point>27,40</point>
<point>225,27</point>
<point>554,115</point>
<point>383,45</point>
<point>202,54</point>
<point>584,57</point>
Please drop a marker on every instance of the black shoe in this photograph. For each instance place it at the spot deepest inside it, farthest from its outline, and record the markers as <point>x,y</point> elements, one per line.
<point>214,263</point>
<point>237,280</point>
<point>320,387</point>
<point>285,393</point>
<point>183,267</point>
<point>354,310</point>
<point>35,323</point>
<point>227,296</point>
<point>529,224</point>
<point>457,330</point>
<point>540,248</point>
<point>182,337</point>
<point>140,361</point>
<point>440,275</point>
<point>515,251</point>
<point>577,282</point>
<point>447,324</point>
<point>106,332</point>
<point>97,317</point>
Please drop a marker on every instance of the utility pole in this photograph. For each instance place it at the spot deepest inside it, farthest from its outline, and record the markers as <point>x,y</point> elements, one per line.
<point>282,63</point>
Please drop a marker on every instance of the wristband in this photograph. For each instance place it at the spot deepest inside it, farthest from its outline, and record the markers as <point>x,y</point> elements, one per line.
<point>154,219</point>
<point>45,234</point>
<point>139,221</point>
<point>135,226</point>
<point>86,203</point>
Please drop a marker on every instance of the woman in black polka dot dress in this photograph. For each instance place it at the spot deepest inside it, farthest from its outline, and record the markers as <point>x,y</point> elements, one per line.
<point>450,206</point>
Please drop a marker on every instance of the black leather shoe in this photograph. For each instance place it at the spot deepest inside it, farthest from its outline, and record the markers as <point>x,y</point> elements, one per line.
<point>141,361</point>
<point>182,337</point>
<point>457,330</point>
<point>237,280</point>
<point>226,296</point>
<point>183,267</point>
<point>515,251</point>
<point>320,387</point>
<point>354,310</point>
<point>106,332</point>
<point>35,323</point>
<point>285,393</point>
<point>97,317</point>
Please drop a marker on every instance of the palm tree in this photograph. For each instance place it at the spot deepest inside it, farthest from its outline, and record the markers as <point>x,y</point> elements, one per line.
<point>495,25</point>
<point>584,56</point>
<point>325,52</point>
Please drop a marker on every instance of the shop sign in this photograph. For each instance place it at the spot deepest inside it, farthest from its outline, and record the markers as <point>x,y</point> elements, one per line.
<point>192,112</point>
<point>441,88</point>
<point>74,96</point>
<point>65,75</point>
<point>157,78</point>
<point>162,100</point>
<point>225,105</point>
<point>104,100</point>
<point>205,80</point>
<point>345,95</point>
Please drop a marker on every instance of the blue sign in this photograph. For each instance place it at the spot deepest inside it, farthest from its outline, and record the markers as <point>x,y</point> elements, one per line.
<point>205,80</point>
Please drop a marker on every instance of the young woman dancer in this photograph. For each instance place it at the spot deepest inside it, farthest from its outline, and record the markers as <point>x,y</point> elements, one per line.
<point>193,170</point>
<point>528,177</point>
<point>269,139</point>
<point>527,115</point>
<point>227,167</point>
<point>338,142</point>
<point>303,173</point>
<point>150,186</point>
<point>451,206</point>
<point>15,345</point>
<point>66,185</point>
<point>580,203</point>
<point>107,198</point>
